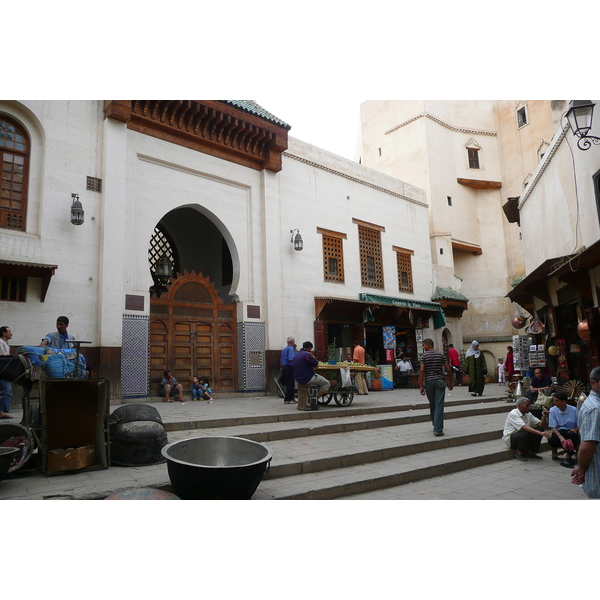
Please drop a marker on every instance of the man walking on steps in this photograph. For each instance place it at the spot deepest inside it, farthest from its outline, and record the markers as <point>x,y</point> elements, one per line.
<point>432,383</point>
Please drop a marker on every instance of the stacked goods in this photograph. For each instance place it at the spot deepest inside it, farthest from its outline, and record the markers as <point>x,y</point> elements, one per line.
<point>521,345</point>
<point>57,362</point>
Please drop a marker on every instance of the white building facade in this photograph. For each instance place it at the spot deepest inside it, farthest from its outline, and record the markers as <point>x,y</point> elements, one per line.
<point>470,157</point>
<point>560,220</point>
<point>218,190</point>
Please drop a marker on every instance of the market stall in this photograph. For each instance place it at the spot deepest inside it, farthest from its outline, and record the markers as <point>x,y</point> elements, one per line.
<point>342,373</point>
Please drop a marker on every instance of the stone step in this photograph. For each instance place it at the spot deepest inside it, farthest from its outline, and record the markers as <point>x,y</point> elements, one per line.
<point>304,455</point>
<point>280,430</point>
<point>367,477</point>
<point>325,412</point>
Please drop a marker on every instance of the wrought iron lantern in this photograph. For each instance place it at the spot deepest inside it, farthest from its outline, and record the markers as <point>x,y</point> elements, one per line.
<point>580,115</point>
<point>164,270</point>
<point>76,210</point>
<point>296,240</point>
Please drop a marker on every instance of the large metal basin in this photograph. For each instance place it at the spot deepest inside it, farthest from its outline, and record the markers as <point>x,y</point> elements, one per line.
<point>215,468</point>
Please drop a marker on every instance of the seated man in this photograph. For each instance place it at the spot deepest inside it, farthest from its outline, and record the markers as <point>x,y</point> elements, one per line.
<point>403,370</point>
<point>523,432</point>
<point>565,430</point>
<point>304,363</point>
<point>169,386</point>
<point>539,383</point>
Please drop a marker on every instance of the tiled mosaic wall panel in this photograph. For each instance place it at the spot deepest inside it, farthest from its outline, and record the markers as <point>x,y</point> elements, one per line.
<point>134,356</point>
<point>251,356</point>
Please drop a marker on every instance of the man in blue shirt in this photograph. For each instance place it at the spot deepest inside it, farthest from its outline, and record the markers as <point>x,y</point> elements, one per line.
<point>287,371</point>
<point>565,432</point>
<point>587,471</point>
<point>304,364</point>
<point>59,338</point>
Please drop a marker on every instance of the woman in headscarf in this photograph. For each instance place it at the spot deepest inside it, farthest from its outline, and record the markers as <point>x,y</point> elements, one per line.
<point>510,365</point>
<point>476,368</point>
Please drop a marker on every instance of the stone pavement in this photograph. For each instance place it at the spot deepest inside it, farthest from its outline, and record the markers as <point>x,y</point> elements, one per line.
<point>241,414</point>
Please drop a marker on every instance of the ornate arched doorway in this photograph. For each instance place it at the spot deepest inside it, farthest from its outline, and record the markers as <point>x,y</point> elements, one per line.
<point>192,332</point>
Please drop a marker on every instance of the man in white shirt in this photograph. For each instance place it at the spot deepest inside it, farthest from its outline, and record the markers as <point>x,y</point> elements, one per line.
<point>5,387</point>
<point>403,368</point>
<point>523,432</point>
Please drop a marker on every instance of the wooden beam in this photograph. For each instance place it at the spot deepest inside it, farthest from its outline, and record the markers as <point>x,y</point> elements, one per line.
<point>480,184</point>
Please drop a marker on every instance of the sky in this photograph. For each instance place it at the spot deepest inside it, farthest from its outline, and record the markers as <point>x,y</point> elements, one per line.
<point>332,124</point>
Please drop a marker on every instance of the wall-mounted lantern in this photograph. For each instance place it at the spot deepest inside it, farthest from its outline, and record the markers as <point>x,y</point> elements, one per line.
<point>76,210</point>
<point>296,240</point>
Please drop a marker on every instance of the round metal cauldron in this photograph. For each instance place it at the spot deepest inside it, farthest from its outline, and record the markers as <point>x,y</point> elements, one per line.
<point>128,413</point>
<point>15,435</point>
<point>216,468</point>
<point>6,457</point>
<point>138,443</point>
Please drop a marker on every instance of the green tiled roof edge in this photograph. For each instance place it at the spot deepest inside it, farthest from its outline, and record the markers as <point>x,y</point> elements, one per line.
<point>252,107</point>
<point>448,294</point>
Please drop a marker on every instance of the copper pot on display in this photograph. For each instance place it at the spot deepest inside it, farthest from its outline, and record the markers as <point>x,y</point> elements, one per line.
<point>519,322</point>
<point>537,326</point>
<point>583,330</point>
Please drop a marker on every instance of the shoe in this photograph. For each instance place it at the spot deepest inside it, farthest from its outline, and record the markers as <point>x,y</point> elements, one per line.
<point>438,433</point>
<point>288,402</point>
<point>532,455</point>
<point>520,457</point>
<point>6,417</point>
<point>567,463</point>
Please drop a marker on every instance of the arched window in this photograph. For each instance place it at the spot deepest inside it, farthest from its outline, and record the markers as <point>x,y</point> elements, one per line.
<point>14,158</point>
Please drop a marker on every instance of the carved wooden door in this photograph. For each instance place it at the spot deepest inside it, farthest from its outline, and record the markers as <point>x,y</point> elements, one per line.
<point>192,332</point>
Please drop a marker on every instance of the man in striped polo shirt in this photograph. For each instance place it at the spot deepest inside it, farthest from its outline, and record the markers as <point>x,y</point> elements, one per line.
<point>432,382</point>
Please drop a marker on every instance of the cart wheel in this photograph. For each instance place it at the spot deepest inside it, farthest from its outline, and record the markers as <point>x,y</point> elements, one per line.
<point>343,395</point>
<point>325,399</point>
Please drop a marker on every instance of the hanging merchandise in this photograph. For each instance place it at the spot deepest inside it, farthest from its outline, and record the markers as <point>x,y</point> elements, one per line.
<point>536,326</point>
<point>518,321</point>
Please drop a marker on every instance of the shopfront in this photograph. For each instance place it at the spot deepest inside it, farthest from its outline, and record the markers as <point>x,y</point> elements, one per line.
<point>384,323</point>
<point>560,294</point>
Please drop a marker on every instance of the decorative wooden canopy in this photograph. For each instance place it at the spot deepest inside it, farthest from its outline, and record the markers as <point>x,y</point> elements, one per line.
<point>252,138</point>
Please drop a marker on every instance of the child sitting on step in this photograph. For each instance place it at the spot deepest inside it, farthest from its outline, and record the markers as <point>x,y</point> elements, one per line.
<point>206,391</point>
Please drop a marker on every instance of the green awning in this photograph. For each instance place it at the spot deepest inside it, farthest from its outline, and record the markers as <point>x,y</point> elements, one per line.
<point>439,318</point>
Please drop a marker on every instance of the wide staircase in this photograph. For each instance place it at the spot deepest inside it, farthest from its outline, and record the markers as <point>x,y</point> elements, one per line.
<point>338,452</point>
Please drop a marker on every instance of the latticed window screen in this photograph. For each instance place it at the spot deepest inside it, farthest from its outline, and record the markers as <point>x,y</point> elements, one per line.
<point>14,158</point>
<point>94,184</point>
<point>473,154</point>
<point>405,283</point>
<point>371,266</point>
<point>159,245</point>
<point>333,259</point>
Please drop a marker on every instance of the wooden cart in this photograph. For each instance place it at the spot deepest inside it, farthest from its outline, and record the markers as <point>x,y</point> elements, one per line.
<point>343,396</point>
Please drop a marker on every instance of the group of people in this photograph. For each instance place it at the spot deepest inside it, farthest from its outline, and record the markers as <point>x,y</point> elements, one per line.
<point>169,387</point>
<point>56,339</point>
<point>299,365</point>
<point>576,432</point>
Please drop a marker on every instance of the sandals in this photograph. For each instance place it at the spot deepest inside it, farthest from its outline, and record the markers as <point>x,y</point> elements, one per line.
<point>6,417</point>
